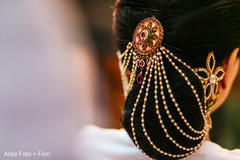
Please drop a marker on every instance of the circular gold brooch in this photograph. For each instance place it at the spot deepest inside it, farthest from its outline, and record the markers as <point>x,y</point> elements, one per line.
<point>148,35</point>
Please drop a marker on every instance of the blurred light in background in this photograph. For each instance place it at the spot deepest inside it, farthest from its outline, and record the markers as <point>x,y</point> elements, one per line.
<point>47,74</point>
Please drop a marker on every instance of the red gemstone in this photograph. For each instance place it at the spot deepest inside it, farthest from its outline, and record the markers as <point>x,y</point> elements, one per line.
<point>142,34</point>
<point>140,78</point>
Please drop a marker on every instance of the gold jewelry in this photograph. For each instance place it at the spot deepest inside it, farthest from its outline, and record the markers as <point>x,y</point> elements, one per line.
<point>210,80</point>
<point>146,52</point>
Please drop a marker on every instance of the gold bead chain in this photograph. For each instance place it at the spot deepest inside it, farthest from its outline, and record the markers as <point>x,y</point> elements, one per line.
<point>166,107</point>
<point>158,61</point>
<point>134,110</point>
<point>179,60</point>
<point>195,93</point>
<point>132,77</point>
<point>174,101</point>
<point>123,66</point>
<point>143,125</point>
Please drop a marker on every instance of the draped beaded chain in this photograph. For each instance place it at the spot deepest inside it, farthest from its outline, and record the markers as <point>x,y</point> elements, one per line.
<point>147,53</point>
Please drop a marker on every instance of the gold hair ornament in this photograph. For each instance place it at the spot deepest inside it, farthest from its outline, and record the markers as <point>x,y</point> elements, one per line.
<point>210,79</point>
<point>146,53</point>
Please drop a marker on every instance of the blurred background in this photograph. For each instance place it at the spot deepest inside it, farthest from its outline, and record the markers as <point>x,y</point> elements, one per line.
<point>59,72</point>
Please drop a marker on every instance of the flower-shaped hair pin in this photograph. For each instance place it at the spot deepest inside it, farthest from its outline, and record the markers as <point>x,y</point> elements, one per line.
<point>210,77</point>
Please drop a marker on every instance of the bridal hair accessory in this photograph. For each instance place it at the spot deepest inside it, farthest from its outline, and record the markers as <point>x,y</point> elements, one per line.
<point>210,79</point>
<point>145,53</point>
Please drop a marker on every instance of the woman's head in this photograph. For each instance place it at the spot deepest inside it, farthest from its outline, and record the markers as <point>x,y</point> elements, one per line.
<point>192,29</point>
<point>195,27</point>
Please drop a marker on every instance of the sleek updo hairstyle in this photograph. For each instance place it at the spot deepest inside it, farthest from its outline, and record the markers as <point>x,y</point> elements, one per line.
<point>192,29</point>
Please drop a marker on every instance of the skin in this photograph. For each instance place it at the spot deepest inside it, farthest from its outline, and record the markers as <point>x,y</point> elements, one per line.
<point>231,66</point>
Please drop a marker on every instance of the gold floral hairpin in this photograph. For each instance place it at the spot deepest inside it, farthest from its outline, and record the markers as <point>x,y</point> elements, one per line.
<point>146,54</point>
<point>210,79</point>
